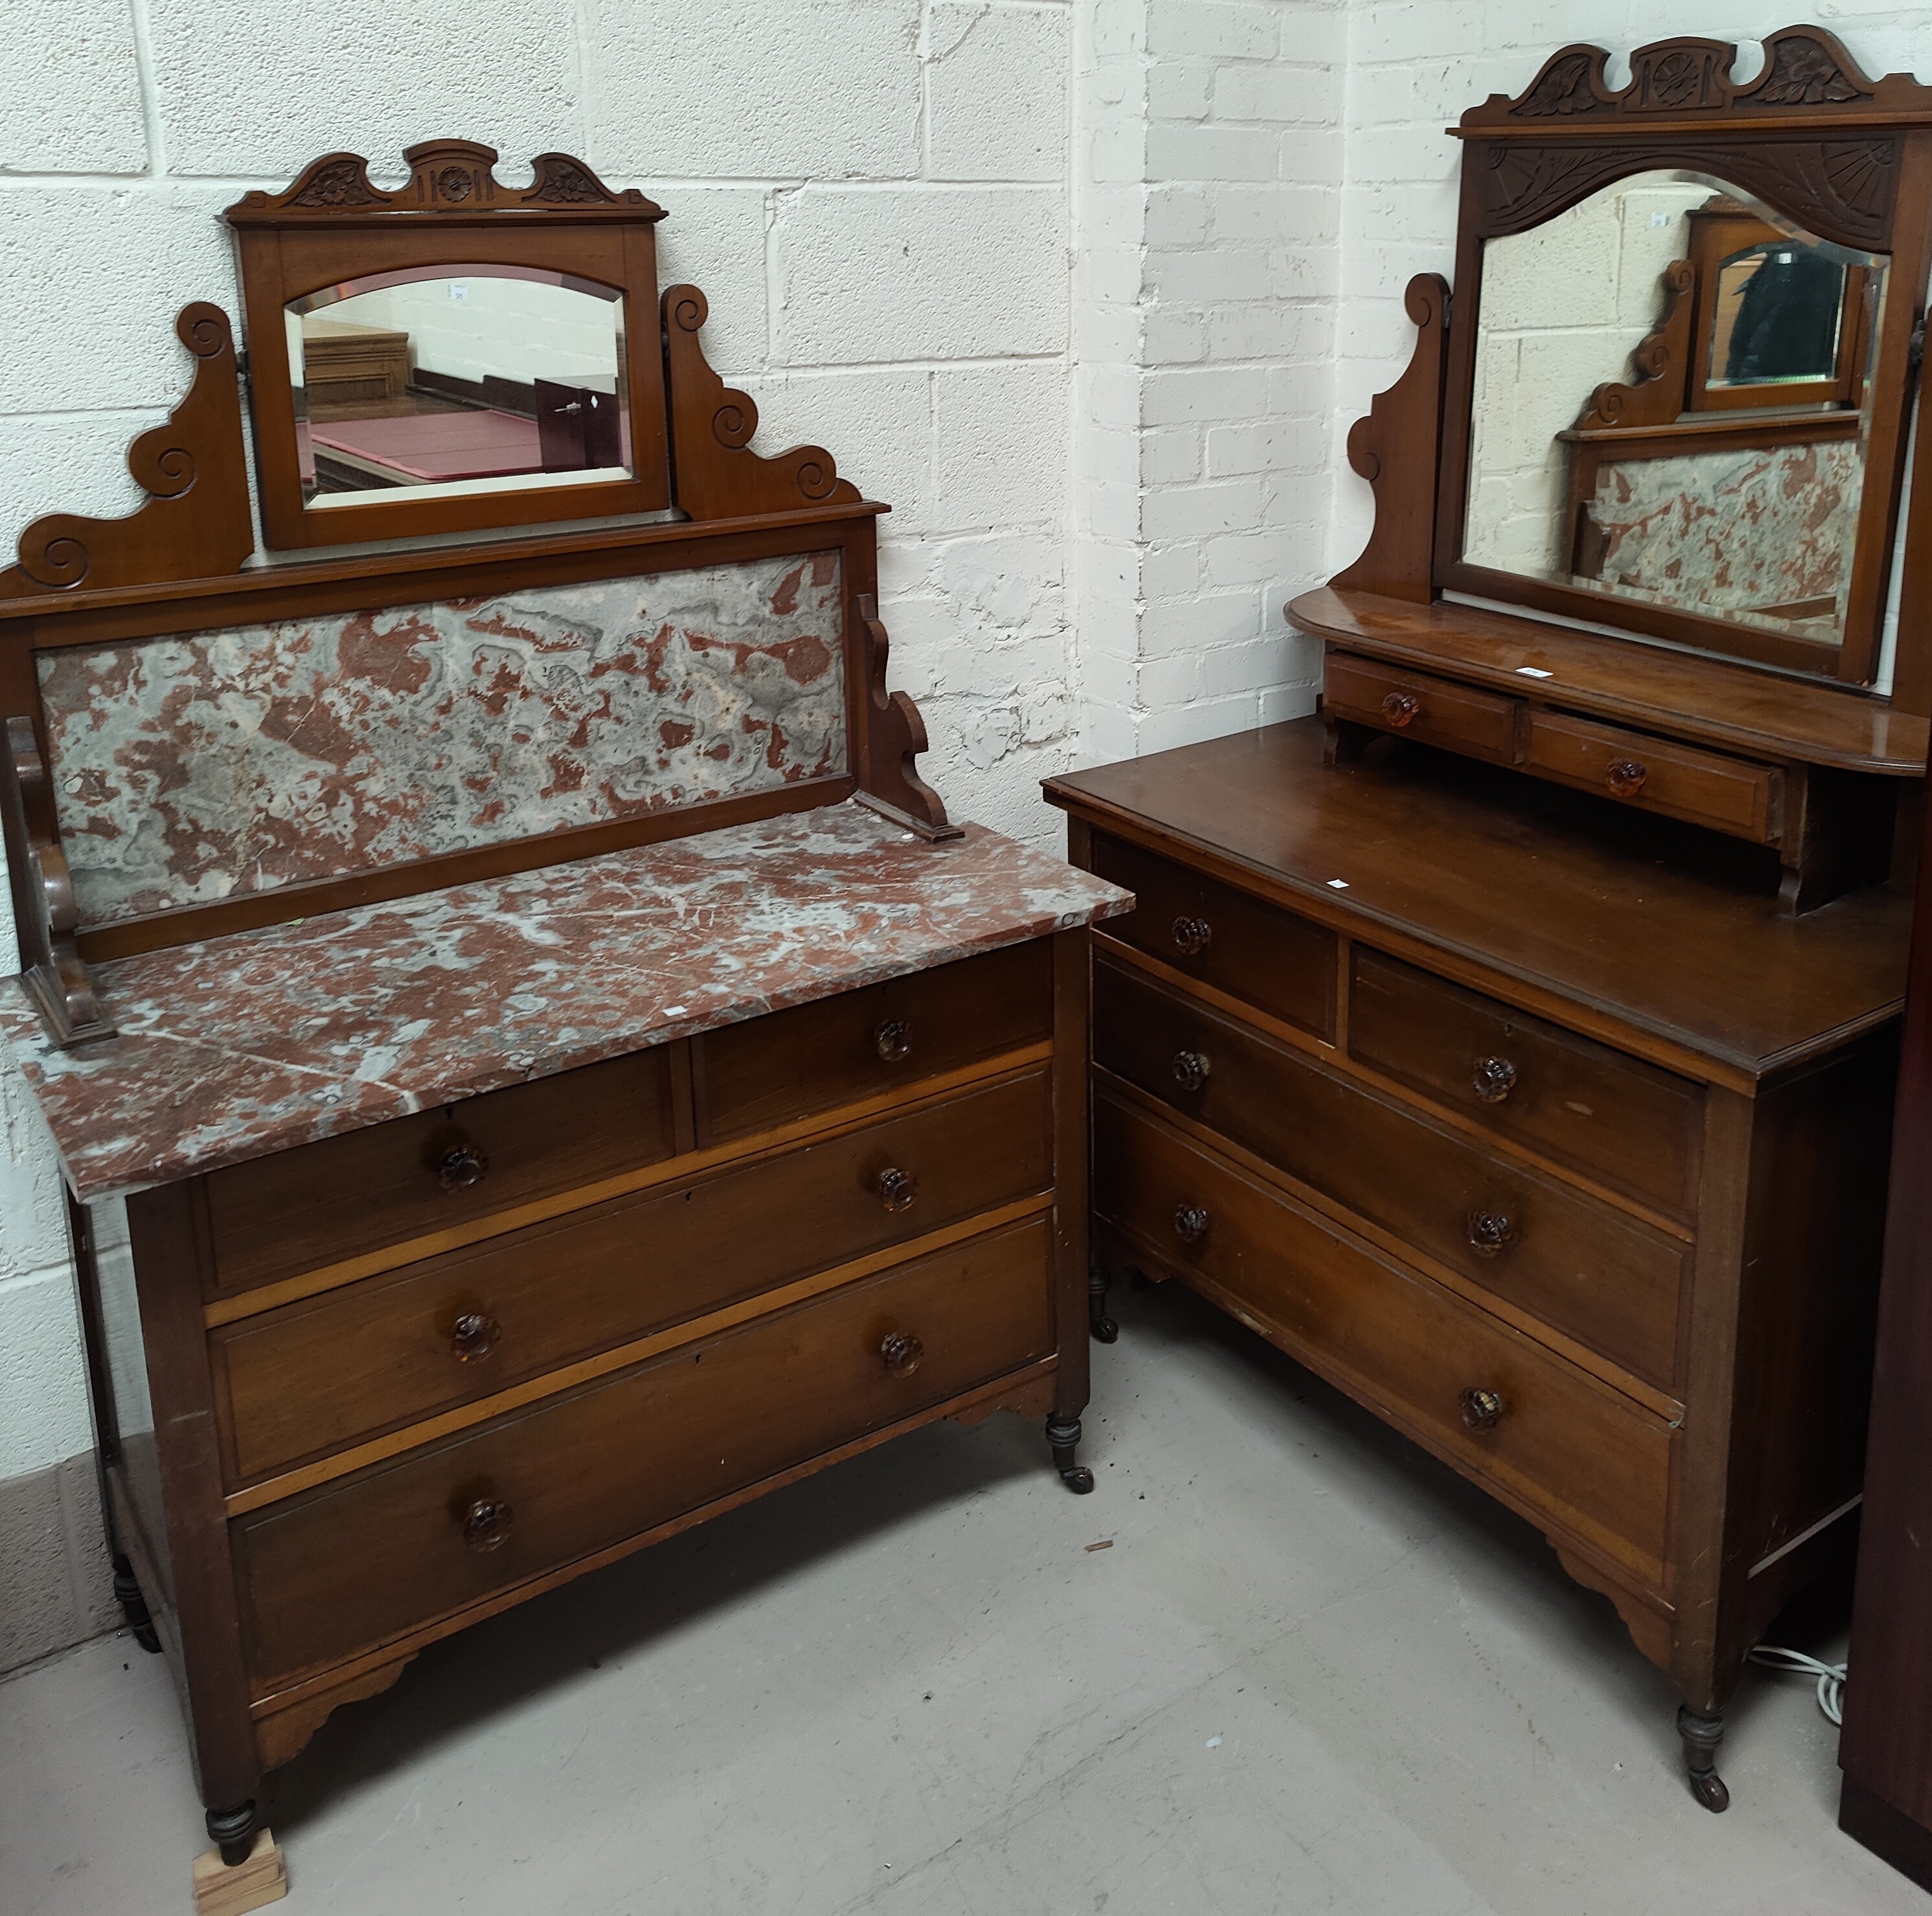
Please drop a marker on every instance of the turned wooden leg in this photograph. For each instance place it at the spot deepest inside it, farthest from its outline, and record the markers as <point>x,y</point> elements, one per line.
<point>134,1606</point>
<point>1063,1437</point>
<point>233,1832</point>
<point>1702,1735</point>
<point>1102,1326</point>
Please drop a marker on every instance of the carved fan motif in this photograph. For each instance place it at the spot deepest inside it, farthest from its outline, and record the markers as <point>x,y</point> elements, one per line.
<point>444,175</point>
<point>340,180</point>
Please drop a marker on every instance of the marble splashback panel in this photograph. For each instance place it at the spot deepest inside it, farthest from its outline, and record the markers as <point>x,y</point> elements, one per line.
<point>1732,532</point>
<point>190,768</point>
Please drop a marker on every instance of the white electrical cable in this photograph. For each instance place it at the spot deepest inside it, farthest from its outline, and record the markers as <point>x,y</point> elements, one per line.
<point>1831,1676</point>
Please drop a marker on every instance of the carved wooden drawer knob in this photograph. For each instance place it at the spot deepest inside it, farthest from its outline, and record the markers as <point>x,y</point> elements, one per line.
<point>893,1040</point>
<point>1191,1069</point>
<point>474,1337</point>
<point>901,1352</point>
<point>1192,935</point>
<point>1401,708</point>
<point>1494,1079</point>
<point>897,1189</point>
<point>1482,1409</point>
<point>1190,1223</point>
<point>461,1167</point>
<point>1625,777</point>
<point>486,1524</point>
<point>1490,1232</point>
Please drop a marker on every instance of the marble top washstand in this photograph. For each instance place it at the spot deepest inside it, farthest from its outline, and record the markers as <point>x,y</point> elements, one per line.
<point>241,1046</point>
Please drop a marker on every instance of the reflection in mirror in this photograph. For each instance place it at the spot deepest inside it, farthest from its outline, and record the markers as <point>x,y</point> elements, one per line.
<point>458,380</point>
<point>1670,405</point>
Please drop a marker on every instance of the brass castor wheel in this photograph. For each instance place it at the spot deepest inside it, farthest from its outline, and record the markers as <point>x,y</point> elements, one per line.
<point>1063,1437</point>
<point>134,1606</point>
<point>1103,1328</point>
<point>1702,1735</point>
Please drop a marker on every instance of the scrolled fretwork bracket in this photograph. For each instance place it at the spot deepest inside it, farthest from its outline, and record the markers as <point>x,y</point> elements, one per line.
<point>715,474</point>
<point>195,523</point>
<point>893,737</point>
<point>56,977</point>
<point>1395,448</point>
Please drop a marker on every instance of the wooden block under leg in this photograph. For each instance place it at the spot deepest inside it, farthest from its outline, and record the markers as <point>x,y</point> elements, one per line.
<point>219,1891</point>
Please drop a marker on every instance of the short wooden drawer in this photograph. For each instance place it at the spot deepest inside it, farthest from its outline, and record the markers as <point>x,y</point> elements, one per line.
<point>1612,1117</point>
<point>1278,962</point>
<point>1570,1260</point>
<point>363,1561</point>
<point>321,1204</point>
<point>752,1076</point>
<point>1507,1411</point>
<point>1730,795</point>
<point>1477,724</point>
<point>313,1378</point>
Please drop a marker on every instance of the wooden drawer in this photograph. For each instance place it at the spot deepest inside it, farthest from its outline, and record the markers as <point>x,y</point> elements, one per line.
<point>1729,795</point>
<point>368,1559</point>
<point>769,1070</point>
<point>322,1202</point>
<point>1633,1126</point>
<point>1278,962</point>
<point>1573,1452</point>
<point>1570,1260</point>
<point>1477,724</point>
<point>313,1378</point>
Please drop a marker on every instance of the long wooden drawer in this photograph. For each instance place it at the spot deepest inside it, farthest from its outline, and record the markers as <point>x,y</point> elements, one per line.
<point>1572,1261</point>
<point>1278,962</point>
<point>771,1070</point>
<point>1635,1128</point>
<point>365,1560</point>
<point>315,1376</point>
<point>321,1203</point>
<point>1730,795</point>
<point>1508,1412</point>
<point>1437,711</point>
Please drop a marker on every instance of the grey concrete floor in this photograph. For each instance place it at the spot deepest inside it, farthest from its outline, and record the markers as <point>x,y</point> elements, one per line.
<point>1313,1671</point>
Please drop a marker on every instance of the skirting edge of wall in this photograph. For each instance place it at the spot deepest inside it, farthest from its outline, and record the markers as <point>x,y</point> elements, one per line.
<point>56,1584</point>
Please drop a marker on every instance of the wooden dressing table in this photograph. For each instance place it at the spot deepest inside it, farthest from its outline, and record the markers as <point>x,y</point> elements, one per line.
<point>1514,1044</point>
<point>534,1066</point>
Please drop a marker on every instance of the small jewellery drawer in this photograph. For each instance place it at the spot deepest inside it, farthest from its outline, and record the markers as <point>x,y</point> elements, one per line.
<point>321,1203</point>
<point>1570,1260</point>
<point>1610,1116</point>
<point>313,1378</point>
<point>1477,724</point>
<point>769,1070</point>
<point>1508,1412</point>
<point>1278,962</point>
<point>361,1562</point>
<point>1730,795</point>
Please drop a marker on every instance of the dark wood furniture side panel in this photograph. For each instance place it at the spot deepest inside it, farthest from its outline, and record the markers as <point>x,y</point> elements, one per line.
<point>170,1254</point>
<point>881,1039</point>
<point>1227,938</point>
<point>323,1203</point>
<point>1886,1749</point>
<point>359,1562</point>
<point>1559,1445</point>
<point>309,1378</point>
<point>1601,1112</point>
<point>1593,1272</point>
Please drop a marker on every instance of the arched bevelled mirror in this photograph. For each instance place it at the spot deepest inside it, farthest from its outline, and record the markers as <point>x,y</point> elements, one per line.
<point>453,354</point>
<point>1672,412</point>
<point>457,379</point>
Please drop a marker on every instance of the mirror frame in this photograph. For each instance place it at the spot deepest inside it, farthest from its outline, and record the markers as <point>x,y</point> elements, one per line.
<point>1848,158</point>
<point>333,225</point>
